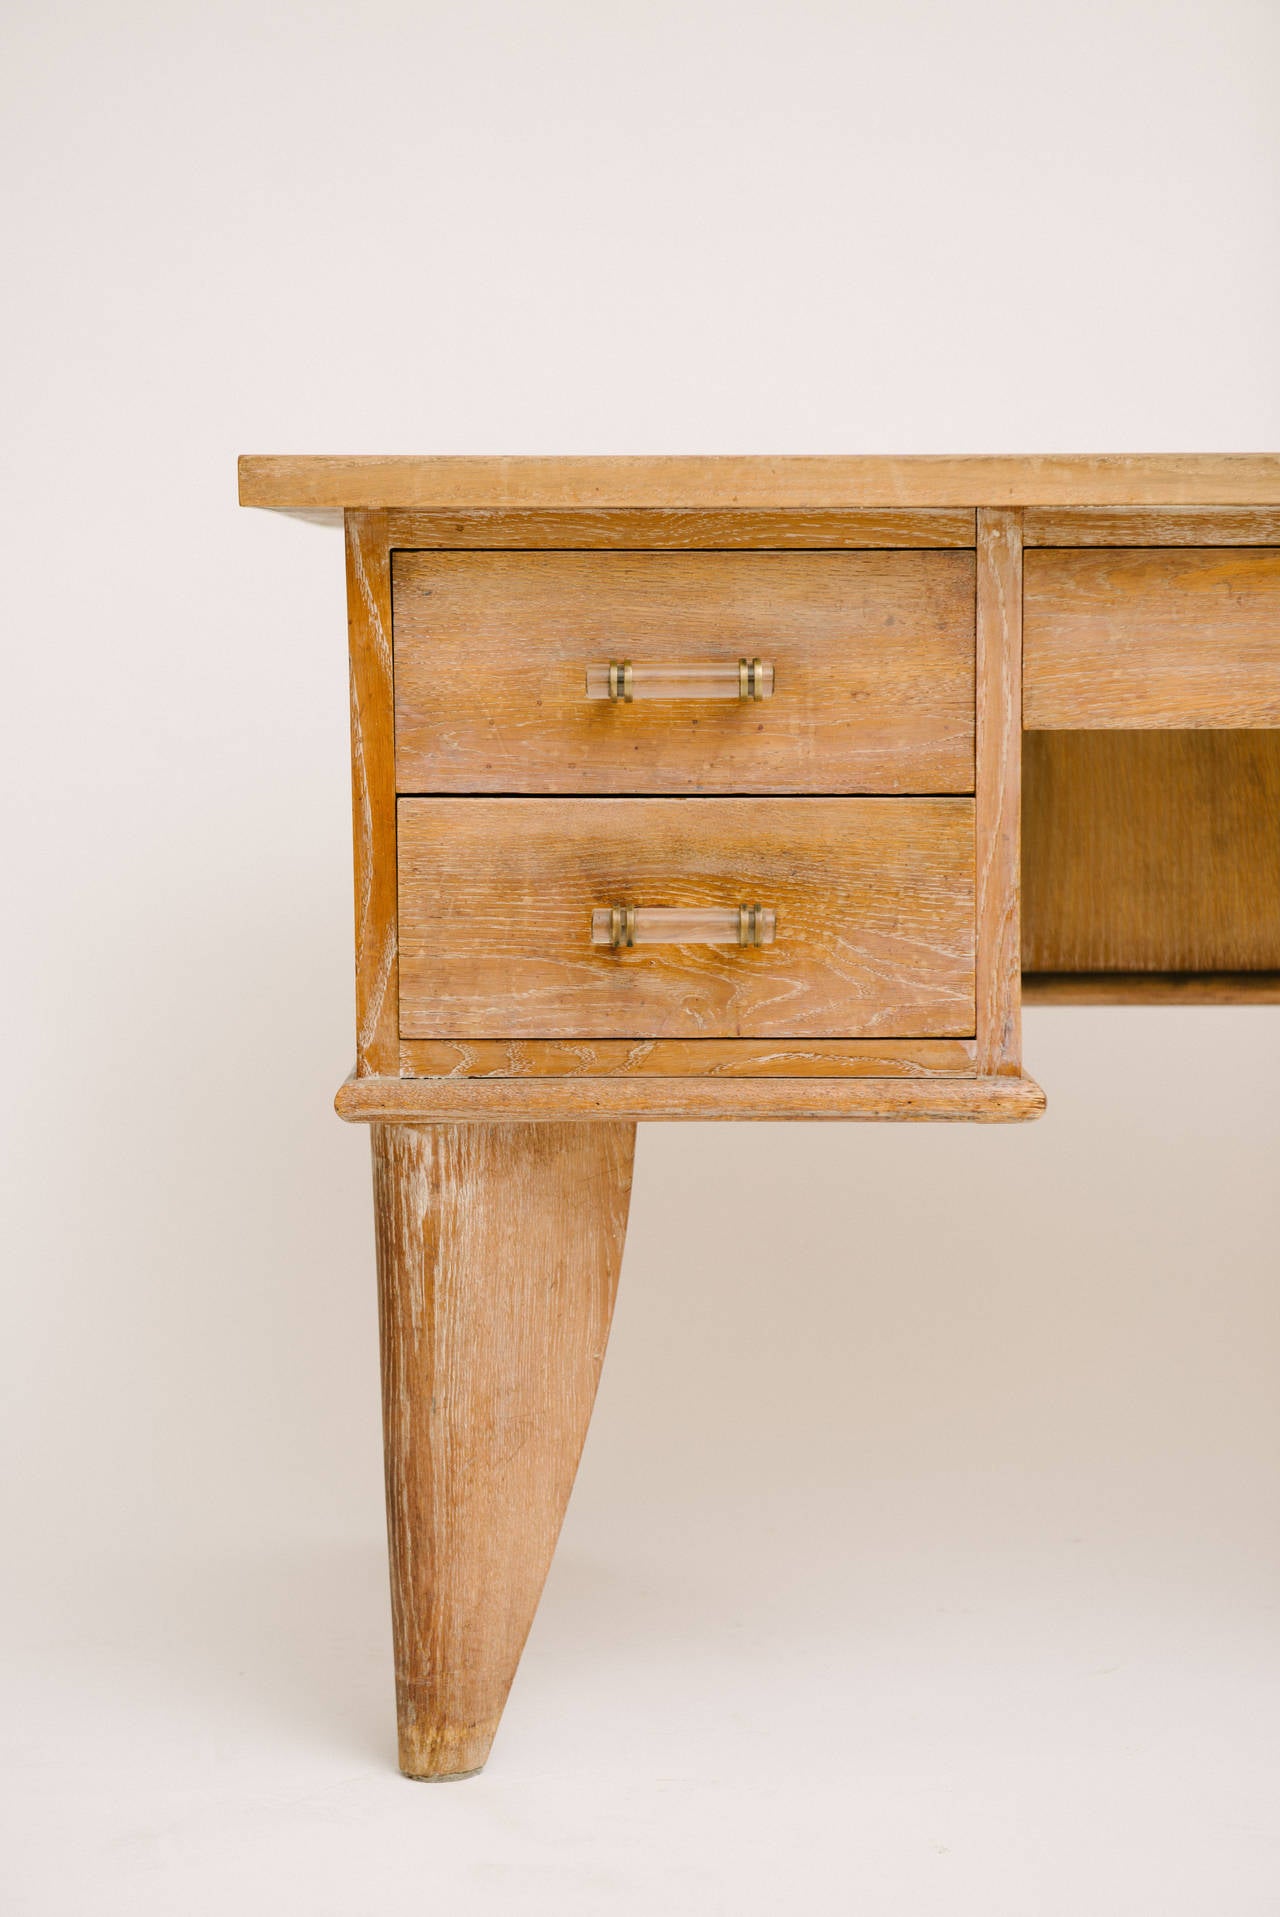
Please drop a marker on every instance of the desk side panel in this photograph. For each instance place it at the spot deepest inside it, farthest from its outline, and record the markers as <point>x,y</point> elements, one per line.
<point>373,791</point>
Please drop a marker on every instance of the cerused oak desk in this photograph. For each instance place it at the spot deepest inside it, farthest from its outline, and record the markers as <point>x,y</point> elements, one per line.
<point>699,788</point>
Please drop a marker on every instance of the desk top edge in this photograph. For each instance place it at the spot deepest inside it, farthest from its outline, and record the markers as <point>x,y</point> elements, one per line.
<point>321,482</point>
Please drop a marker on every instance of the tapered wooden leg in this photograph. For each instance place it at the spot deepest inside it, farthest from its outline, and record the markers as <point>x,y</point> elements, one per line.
<point>498,1256</point>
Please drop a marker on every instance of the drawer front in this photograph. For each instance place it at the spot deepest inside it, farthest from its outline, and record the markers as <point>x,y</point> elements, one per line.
<point>872,656</point>
<point>1152,637</point>
<point>873,933</point>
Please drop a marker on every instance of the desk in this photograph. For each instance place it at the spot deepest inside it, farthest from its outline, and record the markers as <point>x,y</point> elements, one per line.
<point>740,788</point>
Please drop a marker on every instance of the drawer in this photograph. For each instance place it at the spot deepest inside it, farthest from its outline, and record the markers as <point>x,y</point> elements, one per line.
<point>1152,637</point>
<point>873,926</point>
<point>872,656</point>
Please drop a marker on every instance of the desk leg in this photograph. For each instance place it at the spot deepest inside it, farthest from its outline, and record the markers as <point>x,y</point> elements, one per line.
<point>498,1256</point>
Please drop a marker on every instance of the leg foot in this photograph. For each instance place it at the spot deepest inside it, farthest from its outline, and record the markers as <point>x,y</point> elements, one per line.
<point>498,1256</point>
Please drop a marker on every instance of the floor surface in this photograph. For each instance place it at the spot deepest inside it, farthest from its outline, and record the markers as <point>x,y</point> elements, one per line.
<point>925,1559</point>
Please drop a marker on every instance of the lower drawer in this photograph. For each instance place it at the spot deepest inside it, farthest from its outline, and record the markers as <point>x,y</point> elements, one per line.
<point>869,905</point>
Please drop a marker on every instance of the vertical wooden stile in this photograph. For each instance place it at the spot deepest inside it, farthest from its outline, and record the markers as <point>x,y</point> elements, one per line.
<point>373,792</point>
<point>999,789</point>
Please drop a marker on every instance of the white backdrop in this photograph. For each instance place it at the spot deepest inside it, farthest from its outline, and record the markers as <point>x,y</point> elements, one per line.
<point>925,1554</point>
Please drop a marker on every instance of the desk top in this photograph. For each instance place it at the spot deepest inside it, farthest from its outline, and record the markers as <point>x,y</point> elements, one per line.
<point>310,483</point>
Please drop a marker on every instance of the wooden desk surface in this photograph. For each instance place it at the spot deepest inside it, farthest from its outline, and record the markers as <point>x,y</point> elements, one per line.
<point>309,482</point>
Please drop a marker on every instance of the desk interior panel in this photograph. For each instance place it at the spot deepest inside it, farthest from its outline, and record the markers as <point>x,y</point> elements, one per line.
<point>1151,852</point>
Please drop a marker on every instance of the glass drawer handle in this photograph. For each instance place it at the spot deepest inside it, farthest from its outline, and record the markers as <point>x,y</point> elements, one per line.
<point>622,682</point>
<point>622,926</point>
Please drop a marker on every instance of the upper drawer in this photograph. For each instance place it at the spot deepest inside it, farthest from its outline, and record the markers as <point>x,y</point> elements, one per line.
<point>872,656</point>
<point>1152,637</point>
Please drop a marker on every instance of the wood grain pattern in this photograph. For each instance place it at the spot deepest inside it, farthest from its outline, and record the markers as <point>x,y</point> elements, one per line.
<point>874,932</point>
<point>676,1058</point>
<point>1151,526</point>
<point>825,484</point>
<point>373,794</point>
<point>484,1101</point>
<point>999,794</point>
<point>1151,988</point>
<point>498,1255</point>
<point>647,529</point>
<point>872,655</point>
<point>1164,638</point>
<point>1151,851</point>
